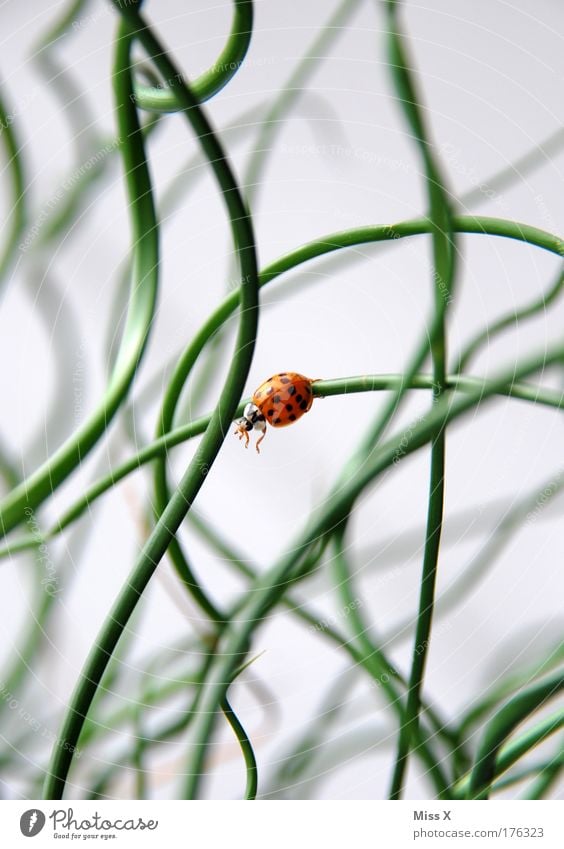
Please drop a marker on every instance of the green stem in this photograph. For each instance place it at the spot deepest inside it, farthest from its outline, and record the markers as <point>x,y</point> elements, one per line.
<point>271,586</point>
<point>444,257</point>
<point>512,752</point>
<point>547,775</point>
<point>195,475</point>
<point>321,389</point>
<point>517,709</point>
<point>246,748</point>
<point>227,64</point>
<point>42,483</point>
<point>512,319</point>
<point>381,670</point>
<point>18,214</point>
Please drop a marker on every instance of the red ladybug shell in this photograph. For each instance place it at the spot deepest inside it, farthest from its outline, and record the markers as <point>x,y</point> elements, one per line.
<point>284,398</point>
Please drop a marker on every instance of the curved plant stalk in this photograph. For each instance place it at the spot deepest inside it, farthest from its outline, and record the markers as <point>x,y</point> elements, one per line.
<point>444,259</point>
<point>542,153</point>
<point>358,655</point>
<point>14,675</point>
<point>322,389</point>
<point>547,775</point>
<point>40,485</point>
<point>67,357</point>
<point>281,105</point>
<point>45,480</point>
<point>184,180</point>
<point>376,668</point>
<point>18,214</point>
<point>501,691</point>
<point>93,153</point>
<point>384,674</point>
<point>138,760</point>
<point>292,766</point>
<point>61,26</point>
<point>195,475</point>
<point>519,708</point>
<point>74,108</point>
<point>311,555</point>
<point>512,319</point>
<point>328,244</point>
<point>345,749</point>
<point>538,769</point>
<point>174,727</point>
<point>272,585</point>
<point>246,748</point>
<point>154,99</point>
<point>484,559</point>
<point>42,482</point>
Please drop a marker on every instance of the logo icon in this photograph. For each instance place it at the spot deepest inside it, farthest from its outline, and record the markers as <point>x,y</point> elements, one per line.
<point>32,822</point>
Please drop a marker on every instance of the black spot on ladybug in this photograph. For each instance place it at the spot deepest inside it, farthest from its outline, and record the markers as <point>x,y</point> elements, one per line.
<point>276,421</point>
<point>292,417</point>
<point>289,408</point>
<point>270,413</point>
<point>303,405</point>
<point>276,399</point>
<point>299,398</point>
<point>291,390</point>
<point>284,379</point>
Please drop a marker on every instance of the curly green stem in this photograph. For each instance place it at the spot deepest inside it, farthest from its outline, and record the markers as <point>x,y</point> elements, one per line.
<point>504,722</point>
<point>134,26</point>
<point>155,99</point>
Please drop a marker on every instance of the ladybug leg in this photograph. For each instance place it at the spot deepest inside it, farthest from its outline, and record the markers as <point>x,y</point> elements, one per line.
<point>258,442</point>
<point>242,431</point>
<point>260,425</point>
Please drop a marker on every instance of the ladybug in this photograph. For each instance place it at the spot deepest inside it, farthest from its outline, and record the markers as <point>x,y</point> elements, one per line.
<point>280,401</point>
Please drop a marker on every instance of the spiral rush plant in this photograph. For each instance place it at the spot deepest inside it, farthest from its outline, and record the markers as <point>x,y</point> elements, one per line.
<point>109,720</point>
